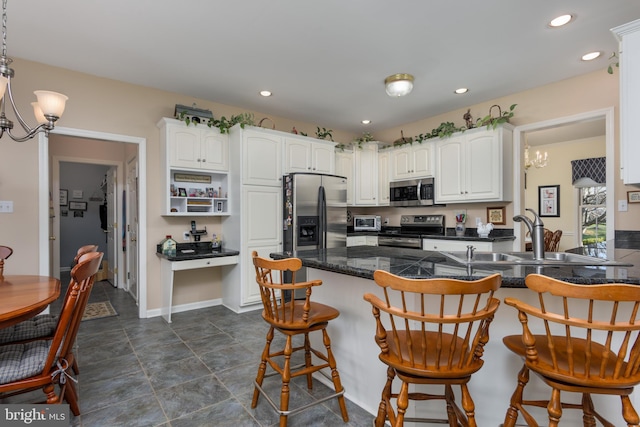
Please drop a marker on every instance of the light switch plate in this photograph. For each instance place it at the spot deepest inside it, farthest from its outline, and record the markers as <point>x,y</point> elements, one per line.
<point>622,206</point>
<point>185,236</point>
<point>6,206</point>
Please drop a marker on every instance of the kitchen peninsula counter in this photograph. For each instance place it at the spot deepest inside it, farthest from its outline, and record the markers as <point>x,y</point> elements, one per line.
<point>347,274</point>
<point>362,261</point>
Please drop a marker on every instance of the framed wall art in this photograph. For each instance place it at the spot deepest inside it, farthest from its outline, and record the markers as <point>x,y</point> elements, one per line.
<point>549,200</point>
<point>633,196</point>
<point>77,206</point>
<point>64,197</point>
<point>497,216</point>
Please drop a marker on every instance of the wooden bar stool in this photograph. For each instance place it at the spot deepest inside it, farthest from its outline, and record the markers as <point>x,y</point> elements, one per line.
<point>431,331</point>
<point>581,339</point>
<point>293,318</point>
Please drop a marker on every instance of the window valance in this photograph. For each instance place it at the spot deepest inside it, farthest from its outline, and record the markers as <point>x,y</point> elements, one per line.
<point>589,172</point>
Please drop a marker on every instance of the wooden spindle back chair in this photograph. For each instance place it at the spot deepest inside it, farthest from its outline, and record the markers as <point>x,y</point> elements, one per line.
<point>42,363</point>
<point>578,338</point>
<point>293,317</point>
<point>5,252</point>
<point>431,331</point>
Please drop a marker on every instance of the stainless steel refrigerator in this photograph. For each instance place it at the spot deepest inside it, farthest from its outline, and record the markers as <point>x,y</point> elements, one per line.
<point>315,212</point>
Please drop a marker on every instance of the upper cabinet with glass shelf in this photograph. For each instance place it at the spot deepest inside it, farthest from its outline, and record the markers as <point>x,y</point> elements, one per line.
<point>196,165</point>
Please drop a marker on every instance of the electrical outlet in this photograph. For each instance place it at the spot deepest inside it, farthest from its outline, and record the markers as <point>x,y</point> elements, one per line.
<point>386,221</point>
<point>185,236</point>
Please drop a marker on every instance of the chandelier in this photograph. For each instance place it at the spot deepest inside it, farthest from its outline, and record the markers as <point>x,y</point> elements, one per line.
<point>539,161</point>
<point>47,109</point>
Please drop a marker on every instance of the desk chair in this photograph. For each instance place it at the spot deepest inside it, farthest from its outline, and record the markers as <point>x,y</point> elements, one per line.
<point>431,331</point>
<point>42,363</point>
<point>580,339</point>
<point>5,252</point>
<point>291,318</point>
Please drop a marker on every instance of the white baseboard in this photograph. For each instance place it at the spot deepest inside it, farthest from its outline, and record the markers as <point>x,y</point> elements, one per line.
<point>186,307</point>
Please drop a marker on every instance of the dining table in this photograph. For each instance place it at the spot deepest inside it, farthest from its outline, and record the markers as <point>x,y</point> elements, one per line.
<point>24,296</point>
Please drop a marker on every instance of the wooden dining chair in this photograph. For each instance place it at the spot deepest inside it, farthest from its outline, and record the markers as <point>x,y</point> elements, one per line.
<point>431,331</point>
<point>43,363</point>
<point>5,252</point>
<point>580,339</point>
<point>42,325</point>
<point>291,318</point>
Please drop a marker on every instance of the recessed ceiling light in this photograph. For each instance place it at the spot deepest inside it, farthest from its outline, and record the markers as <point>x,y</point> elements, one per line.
<point>561,20</point>
<point>591,56</point>
<point>366,122</point>
<point>461,90</point>
<point>265,93</point>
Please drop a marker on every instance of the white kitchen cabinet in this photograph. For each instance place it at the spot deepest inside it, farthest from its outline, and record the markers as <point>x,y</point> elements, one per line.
<point>309,155</point>
<point>383,178</point>
<point>195,147</point>
<point>261,157</point>
<point>411,161</point>
<point>263,209</point>
<point>362,241</point>
<point>474,166</point>
<point>256,181</point>
<point>193,185</point>
<point>629,38</point>
<point>344,167</point>
<point>366,175</point>
<point>461,245</point>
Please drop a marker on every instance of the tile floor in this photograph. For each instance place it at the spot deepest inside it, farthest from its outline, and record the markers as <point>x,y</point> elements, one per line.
<point>196,371</point>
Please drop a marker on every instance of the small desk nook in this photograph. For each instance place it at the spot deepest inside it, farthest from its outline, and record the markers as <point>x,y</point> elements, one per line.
<point>189,256</point>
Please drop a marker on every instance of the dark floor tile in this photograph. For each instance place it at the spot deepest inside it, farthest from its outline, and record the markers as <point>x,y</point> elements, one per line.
<point>229,413</point>
<point>228,357</point>
<point>192,396</point>
<point>100,352</point>
<point>239,379</point>
<point>159,354</point>
<point>100,394</point>
<point>163,375</point>
<point>195,330</point>
<point>143,411</point>
<point>101,370</point>
<point>211,343</point>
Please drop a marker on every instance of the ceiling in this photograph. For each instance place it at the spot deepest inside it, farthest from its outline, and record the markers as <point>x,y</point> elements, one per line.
<point>324,61</point>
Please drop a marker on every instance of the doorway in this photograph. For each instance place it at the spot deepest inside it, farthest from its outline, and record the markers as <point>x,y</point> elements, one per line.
<point>580,121</point>
<point>47,188</point>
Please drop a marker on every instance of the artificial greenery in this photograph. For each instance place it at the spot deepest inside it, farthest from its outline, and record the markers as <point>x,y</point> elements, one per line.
<point>324,133</point>
<point>613,61</point>
<point>492,122</point>
<point>224,124</point>
<point>366,137</point>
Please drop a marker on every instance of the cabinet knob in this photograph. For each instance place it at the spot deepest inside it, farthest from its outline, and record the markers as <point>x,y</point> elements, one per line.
<point>204,160</point>
<point>197,160</point>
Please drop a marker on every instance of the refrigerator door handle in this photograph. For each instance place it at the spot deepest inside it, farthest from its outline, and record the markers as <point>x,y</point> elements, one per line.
<point>322,219</point>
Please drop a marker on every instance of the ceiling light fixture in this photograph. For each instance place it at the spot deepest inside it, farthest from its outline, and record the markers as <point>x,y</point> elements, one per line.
<point>398,84</point>
<point>591,56</point>
<point>561,20</point>
<point>366,122</point>
<point>47,110</point>
<point>461,90</point>
<point>540,161</point>
<point>265,93</point>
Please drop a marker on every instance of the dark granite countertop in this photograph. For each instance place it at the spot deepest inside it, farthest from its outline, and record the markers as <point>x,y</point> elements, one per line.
<point>362,261</point>
<point>496,235</point>
<point>196,250</point>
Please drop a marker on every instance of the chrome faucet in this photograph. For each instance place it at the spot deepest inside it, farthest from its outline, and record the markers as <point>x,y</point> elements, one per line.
<point>470,250</point>
<point>536,229</point>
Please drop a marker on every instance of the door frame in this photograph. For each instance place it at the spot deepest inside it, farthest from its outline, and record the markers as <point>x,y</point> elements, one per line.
<point>518,169</point>
<point>44,197</point>
<point>55,174</point>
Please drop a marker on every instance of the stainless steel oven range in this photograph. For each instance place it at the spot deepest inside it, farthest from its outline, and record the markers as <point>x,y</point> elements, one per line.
<point>413,228</point>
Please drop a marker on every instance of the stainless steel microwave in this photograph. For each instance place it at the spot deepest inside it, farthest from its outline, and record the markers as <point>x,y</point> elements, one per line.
<point>414,192</point>
<point>367,223</point>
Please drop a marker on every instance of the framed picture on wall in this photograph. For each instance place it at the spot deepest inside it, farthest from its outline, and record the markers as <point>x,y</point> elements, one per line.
<point>496,216</point>
<point>78,206</point>
<point>549,200</point>
<point>64,197</point>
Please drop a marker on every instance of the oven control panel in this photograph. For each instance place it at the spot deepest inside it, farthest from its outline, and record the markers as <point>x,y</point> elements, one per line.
<point>422,220</point>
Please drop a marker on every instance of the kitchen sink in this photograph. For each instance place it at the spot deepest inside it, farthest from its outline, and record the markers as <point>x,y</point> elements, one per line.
<point>526,258</point>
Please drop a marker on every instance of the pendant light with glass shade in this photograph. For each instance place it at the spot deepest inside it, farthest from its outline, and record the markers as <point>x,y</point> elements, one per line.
<point>47,109</point>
